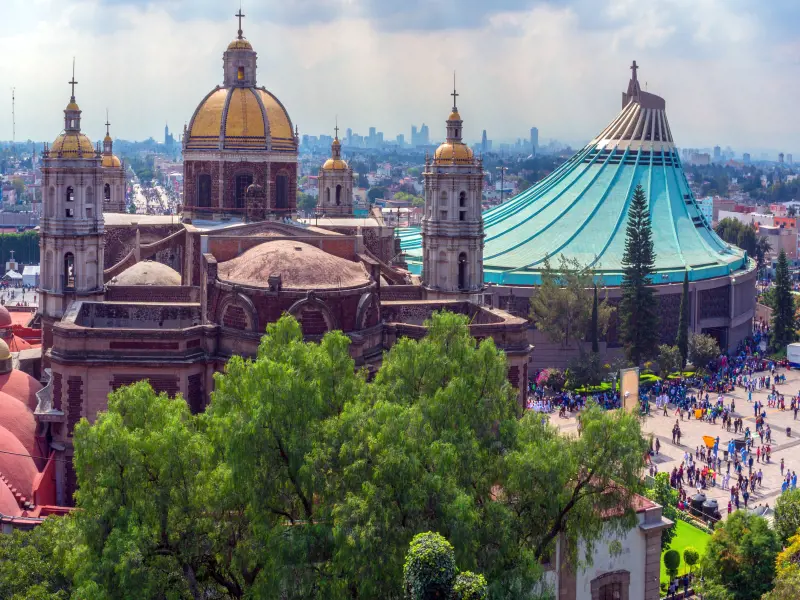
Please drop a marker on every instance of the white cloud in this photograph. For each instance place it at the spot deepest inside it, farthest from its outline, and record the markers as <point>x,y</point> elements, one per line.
<point>558,66</point>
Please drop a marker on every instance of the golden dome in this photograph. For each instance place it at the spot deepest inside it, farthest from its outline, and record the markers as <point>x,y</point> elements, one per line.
<point>72,144</point>
<point>453,152</point>
<point>335,164</point>
<point>240,45</point>
<point>244,127</point>
<point>5,353</point>
<point>73,106</point>
<point>109,160</point>
<point>454,116</point>
<point>107,139</point>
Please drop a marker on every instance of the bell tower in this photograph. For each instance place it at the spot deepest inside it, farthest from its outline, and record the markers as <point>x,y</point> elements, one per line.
<point>335,183</point>
<point>452,226</point>
<point>71,230</point>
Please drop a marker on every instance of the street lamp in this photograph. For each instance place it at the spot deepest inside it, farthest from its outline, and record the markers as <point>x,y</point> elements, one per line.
<point>502,181</point>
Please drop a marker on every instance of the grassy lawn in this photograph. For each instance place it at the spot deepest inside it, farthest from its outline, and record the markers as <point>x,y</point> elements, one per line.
<point>686,536</point>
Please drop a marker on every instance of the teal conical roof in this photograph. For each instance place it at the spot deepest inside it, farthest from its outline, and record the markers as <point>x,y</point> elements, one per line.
<point>581,209</point>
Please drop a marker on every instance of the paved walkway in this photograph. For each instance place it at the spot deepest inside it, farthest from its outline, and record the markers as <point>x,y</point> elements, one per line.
<point>693,431</point>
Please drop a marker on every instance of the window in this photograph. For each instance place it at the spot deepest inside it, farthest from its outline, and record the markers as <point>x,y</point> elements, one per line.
<point>70,212</point>
<point>462,271</point>
<point>107,192</point>
<point>443,215</point>
<point>282,192</point>
<point>443,200</point>
<point>240,74</point>
<point>69,271</point>
<point>462,199</point>
<point>242,183</point>
<point>611,591</point>
<point>327,196</point>
<point>204,190</point>
<point>338,195</point>
<point>70,194</point>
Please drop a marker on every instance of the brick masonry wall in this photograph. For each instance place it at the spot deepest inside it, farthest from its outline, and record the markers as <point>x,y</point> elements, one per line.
<point>151,293</point>
<point>74,402</point>
<point>160,383</point>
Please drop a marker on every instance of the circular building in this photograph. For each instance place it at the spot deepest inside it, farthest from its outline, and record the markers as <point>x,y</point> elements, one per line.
<point>239,135</point>
<point>580,211</point>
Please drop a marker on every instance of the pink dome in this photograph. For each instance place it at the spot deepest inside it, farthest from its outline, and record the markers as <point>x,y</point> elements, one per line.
<point>21,386</point>
<point>5,317</point>
<point>8,504</point>
<point>18,419</point>
<point>18,467</point>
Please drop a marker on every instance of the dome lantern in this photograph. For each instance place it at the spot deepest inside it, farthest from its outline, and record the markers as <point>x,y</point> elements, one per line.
<point>239,60</point>
<point>72,114</point>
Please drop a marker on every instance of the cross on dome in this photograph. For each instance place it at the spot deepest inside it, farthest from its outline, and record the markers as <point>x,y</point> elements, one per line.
<point>336,129</point>
<point>454,94</point>
<point>107,123</point>
<point>241,16</point>
<point>634,68</point>
<point>73,83</point>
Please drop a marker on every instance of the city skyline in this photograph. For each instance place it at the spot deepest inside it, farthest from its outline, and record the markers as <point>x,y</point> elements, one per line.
<point>568,69</point>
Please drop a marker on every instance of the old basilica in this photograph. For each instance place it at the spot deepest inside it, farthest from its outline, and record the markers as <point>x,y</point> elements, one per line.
<point>126,297</point>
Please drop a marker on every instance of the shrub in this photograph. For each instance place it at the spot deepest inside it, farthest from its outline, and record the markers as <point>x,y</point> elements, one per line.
<point>470,586</point>
<point>672,562</point>
<point>691,557</point>
<point>430,567</point>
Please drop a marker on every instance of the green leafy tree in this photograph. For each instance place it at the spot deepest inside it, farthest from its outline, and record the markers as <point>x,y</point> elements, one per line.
<point>783,316</point>
<point>787,579</point>
<point>691,557</point>
<point>430,572</point>
<point>787,514</point>
<point>667,497</point>
<point>740,557</point>
<point>595,326</point>
<point>562,307</point>
<point>306,202</point>
<point>702,349</point>
<point>669,359</point>
<point>376,193</point>
<point>672,562</point>
<point>638,307</point>
<point>682,338</point>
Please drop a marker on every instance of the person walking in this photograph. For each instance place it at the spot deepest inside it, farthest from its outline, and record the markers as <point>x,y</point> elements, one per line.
<point>658,446</point>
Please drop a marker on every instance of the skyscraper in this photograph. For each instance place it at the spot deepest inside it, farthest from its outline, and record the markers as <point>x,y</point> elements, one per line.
<point>534,139</point>
<point>789,159</point>
<point>414,136</point>
<point>349,137</point>
<point>484,148</point>
<point>401,140</point>
<point>746,158</point>
<point>780,157</point>
<point>424,135</point>
<point>717,152</point>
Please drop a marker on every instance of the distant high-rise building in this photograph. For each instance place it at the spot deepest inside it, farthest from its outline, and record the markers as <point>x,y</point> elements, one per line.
<point>414,134</point>
<point>349,136</point>
<point>717,152</point>
<point>169,139</point>
<point>746,158</point>
<point>780,157</point>
<point>484,148</point>
<point>789,159</point>
<point>401,140</point>
<point>424,135</point>
<point>534,139</point>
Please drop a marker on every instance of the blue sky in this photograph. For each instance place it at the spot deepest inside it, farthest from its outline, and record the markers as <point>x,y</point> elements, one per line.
<point>728,69</point>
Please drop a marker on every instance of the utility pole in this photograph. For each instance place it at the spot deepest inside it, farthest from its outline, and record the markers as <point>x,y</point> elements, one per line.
<point>502,181</point>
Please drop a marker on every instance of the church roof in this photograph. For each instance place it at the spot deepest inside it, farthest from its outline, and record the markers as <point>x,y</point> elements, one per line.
<point>580,210</point>
<point>300,265</point>
<point>148,272</point>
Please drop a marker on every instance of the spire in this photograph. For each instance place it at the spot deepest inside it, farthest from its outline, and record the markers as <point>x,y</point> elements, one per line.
<point>72,114</point>
<point>108,142</point>
<point>336,147</point>
<point>454,94</point>
<point>454,120</point>
<point>108,134</point>
<point>73,83</point>
<point>240,16</point>
<point>634,89</point>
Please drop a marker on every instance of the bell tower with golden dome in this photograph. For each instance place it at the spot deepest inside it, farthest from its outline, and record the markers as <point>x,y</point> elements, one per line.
<point>71,230</point>
<point>336,183</point>
<point>452,226</point>
<point>113,176</point>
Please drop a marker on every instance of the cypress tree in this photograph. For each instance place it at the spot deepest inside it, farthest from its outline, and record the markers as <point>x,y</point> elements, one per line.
<point>638,307</point>
<point>783,319</point>
<point>682,339</point>
<point>595,333</point>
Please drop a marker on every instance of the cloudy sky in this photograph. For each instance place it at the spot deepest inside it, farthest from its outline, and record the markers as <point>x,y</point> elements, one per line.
<point>728,69</point>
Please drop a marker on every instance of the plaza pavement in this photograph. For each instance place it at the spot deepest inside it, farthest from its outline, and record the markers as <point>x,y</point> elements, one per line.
<point>692,433</point>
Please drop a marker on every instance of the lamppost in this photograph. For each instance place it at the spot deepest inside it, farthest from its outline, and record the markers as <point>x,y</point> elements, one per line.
<point>502,181</point>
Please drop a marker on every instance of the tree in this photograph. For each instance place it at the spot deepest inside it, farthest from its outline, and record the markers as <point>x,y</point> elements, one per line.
<point>376,193</point>
<point>682,338</point>
<point>702,349</point>
<point>672,562</point>
<point>740,557</point>
<point>638,307</point>
<point>787,514</point>
<point>561,307</point>
<point>430,572</point>
<point>667,497</point>
<point>791,211</point>
<point>306,202</point>
<point>787,579</point>
<point>691,557</point>
<point>783,317</point>
<point>669,359</point>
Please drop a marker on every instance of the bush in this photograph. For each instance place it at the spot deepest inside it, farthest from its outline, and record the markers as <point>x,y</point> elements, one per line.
<point>691,557</point>
<point>430,567</point>
<point>672,562</point>
<point>470,586</point>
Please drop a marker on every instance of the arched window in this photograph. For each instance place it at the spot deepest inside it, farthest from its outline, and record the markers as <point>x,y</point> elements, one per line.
<point>282,192</point>
<point>107,192</point>
<point>51,202</point>
<point>242,183</point>
<point>443,205</point>
<point>462,206</point>
<point>462,271</point>
<point>69,271</point>
<point>327,196</point>
<point>204,190</point>
<point>70,194</point>
<point>240,74</point>
<point>48,270</point>
<point>462,199</point>
<point>338,195</point>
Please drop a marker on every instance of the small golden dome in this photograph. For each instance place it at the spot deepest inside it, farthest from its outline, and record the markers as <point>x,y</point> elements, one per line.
<point>454,116</point>
<point>111,161</point>
<point>455,152</point>
<point>5,353</point>
<point>335,164</point>
<point>336,142</point>
<point>240,45</point>
<point>72,144</point>
<point>73,106</point>
<point>107,139</point>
